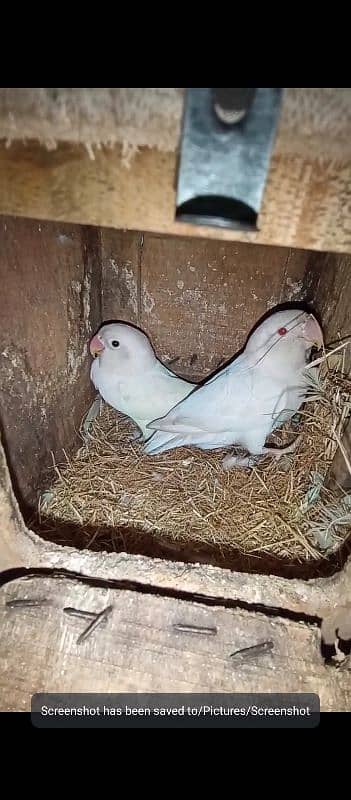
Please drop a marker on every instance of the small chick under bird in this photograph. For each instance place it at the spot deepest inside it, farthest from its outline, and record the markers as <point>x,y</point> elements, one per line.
<point>244,402</point>
<point>129,376</point>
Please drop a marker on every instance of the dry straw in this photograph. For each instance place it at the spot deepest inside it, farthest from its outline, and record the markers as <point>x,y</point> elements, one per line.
<point>280,508</point>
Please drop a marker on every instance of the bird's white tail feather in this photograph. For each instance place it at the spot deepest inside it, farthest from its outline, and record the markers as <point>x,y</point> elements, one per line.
<point>161,442</point>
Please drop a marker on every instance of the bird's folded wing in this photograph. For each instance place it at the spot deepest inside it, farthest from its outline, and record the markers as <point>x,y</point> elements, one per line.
<point>208,407</point>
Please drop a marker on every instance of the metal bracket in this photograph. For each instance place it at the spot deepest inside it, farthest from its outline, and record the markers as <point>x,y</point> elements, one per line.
<point>224,163</point>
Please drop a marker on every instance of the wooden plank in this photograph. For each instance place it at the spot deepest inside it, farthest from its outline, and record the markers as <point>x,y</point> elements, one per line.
<point>120,258</point>
<point>328,276</point>
<point>339,471</point>
<point>49,301</point>
<point>199,299</point>
<point>306,201</point>
<point>139,651</point>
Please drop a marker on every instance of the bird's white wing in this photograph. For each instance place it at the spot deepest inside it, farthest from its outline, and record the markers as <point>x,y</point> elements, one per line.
<point>175,385</point>
<point>239,404</point>
<point>209,406</point>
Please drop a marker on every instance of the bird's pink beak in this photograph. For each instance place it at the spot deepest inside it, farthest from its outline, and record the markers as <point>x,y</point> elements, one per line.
<point>312,332</point>
<point>96,346</point>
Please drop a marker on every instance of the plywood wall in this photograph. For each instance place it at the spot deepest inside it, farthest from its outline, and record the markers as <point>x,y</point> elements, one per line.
<point>49,301</point>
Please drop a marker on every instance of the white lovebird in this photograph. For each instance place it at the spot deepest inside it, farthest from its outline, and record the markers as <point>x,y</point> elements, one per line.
<point>242,404</point>
<point>129,376</point>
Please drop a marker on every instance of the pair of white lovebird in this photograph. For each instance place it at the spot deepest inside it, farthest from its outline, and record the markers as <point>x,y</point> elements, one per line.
<point>240,405</point>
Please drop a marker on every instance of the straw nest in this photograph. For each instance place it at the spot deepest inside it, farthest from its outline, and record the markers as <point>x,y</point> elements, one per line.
<point>113,492</point>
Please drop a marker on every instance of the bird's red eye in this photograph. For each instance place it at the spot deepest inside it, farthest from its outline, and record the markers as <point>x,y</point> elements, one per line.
<point>282,331</point>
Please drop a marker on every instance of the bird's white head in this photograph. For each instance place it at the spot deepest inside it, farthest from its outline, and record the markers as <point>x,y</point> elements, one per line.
<point>121,347</point>
<point>285,337</point>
